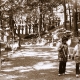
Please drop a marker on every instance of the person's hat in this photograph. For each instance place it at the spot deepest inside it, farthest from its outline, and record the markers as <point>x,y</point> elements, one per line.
<point>64,38</point>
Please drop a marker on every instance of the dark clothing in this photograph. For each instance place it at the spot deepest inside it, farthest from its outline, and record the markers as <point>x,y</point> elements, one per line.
<point>76,55</point>
<point>62,67</point>
<point>77,68</point>
<point>62,56</point>
<point>63,52</point>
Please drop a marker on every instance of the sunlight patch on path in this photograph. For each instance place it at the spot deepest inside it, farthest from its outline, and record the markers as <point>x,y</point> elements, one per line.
<point>19,69</point>
<point>45,65</point>
<point>71,65</point>
<point>7,64</point>
<point>69,72</point>
<point>39,66</point>
<point>2,74</point>
<point>45,55</point>
<point>7,70</point>
<point>23,54</point>
<point>9,77</point>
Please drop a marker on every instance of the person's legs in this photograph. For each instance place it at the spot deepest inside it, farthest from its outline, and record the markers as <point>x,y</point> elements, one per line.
<point>77,68</point>
<point>60,67</point>
<point>64,67</point>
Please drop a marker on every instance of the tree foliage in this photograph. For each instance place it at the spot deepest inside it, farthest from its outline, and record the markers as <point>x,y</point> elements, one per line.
<point>18,5</point>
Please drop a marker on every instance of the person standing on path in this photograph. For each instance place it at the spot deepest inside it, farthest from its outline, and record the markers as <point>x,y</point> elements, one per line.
<point>62,55</point>
<point>76,55</point>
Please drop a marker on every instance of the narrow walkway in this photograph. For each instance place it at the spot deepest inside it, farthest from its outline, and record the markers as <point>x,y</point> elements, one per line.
<point>35,63</point>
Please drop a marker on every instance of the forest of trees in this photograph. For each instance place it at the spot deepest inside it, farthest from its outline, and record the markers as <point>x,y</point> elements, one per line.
<point>10,8</point>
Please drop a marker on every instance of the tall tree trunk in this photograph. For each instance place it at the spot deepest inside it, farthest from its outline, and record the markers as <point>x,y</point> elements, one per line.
<point>0,36</point>
<point>19,36</point>
<point>65,17</point>
<point>69,15</point>
<point>75,20</point>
